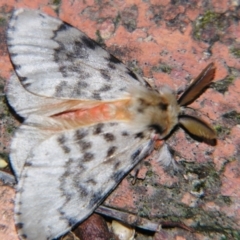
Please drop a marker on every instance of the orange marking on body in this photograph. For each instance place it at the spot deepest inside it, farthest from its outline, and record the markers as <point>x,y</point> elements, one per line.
<point>99,112</point>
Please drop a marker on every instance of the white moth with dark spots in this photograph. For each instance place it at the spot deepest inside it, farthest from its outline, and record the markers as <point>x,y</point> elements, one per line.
<point>88,120</point>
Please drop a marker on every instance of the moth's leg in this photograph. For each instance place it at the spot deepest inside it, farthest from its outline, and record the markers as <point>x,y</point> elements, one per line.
<point>164,154</point>
<point>139,171</point>
<point>136,172</point>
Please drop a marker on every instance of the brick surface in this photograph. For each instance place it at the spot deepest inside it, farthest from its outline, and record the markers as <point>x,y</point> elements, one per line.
<point>171,42</point>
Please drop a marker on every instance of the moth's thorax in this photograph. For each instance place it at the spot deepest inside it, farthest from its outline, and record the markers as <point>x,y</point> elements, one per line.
<point>156,110</point>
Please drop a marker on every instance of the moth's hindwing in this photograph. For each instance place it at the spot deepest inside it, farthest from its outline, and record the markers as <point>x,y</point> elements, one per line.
<point>66,176</point>
<point>26,103</point>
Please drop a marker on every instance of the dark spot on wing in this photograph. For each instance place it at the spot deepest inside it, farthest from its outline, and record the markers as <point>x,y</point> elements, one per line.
<point>105,74</point>
<point>117,165</point>
<point>98,128</point>
<point>111,151</point>
<point>96,198</point>
<point>114,59</point>
<point>13,55</point>
<point>59,52</point>
<point>78,51</point>
<point>14,16</point>
<point>60,88</point>
<point>96,96</point>
<point>63,71</point>
<point>19,225</point>
<point>109,137</point>
<point>23,79</point>
<point>17,67</point>
<point>70,161</point>
<point>139,135</point>
<point>91,181</point>
<point>70,166</point>
<point>113,124</point>
<point>13,29</point>
<point>125,134</point>
<point>111,65</point>
<point>62,213</point>
<point>42,15</point>
<point>122,89</point>
<point>88,157</point>
<point>67,173</point>
<point>117,176</point>
<point>110,161</point>
<point>28,164</point>
<point>84,145</point>
<point>24,236</point>
<point>66,55</point>
<point>72,221</point>
<point>61,139</point>
<point>135,155</point>
<point>20,190</point>
<point>63,27</point>
<point>82,190</point>
<point>72,71</point>
<point>89,42</point>
<point>79,86</point>
<point>81,167</point>
<point>78,44</point>
<point>66,149</point>
<point>80,134</point>
<point>105,88</point>
<point>132,74</point>
<point>83,84</point>
<point>157,128</point>
<point>163,106</point>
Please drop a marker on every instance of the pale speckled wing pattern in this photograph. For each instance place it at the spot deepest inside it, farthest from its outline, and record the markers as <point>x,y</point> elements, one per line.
<point>64,173</point>
<point>54,59</point>
<point>26,103</point>
<point>34,109</point>
<point>66,176</point>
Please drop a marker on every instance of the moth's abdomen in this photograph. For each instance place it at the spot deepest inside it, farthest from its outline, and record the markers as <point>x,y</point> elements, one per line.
<point>99,112</point>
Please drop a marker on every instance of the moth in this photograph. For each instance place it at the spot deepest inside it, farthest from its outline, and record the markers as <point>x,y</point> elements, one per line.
<point>88,120</point>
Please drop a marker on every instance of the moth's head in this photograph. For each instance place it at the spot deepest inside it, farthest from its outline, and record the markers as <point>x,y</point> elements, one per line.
<point>156,110</point>
<point>162,111</point>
